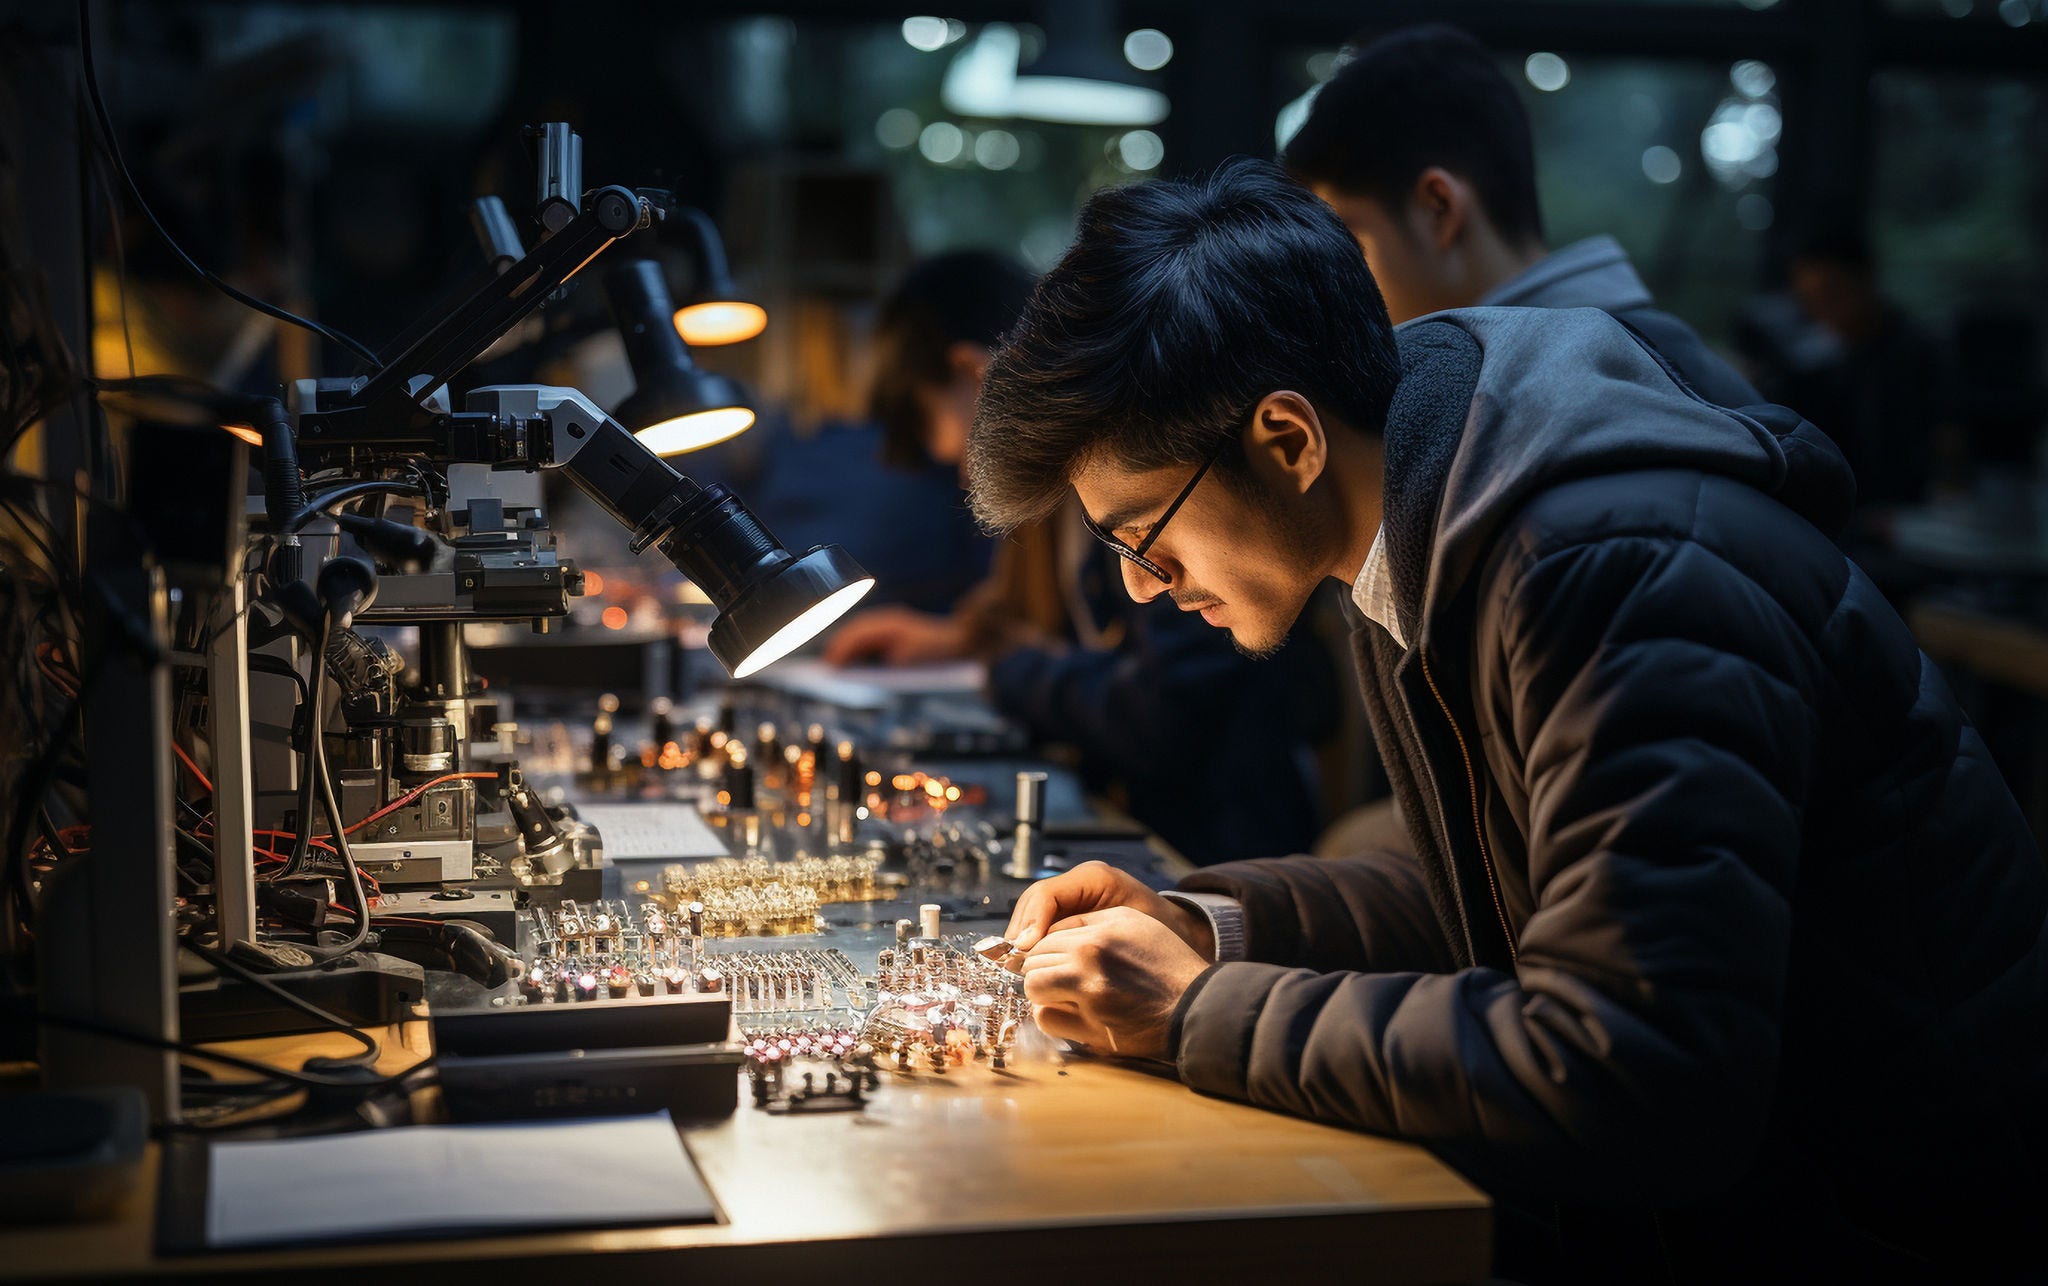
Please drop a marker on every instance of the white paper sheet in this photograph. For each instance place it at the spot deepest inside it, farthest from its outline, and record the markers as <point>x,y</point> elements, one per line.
<point>452,1180</point>
<point>653,832</point>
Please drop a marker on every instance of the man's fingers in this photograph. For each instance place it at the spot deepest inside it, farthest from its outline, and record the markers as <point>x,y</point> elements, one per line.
<point>1058,984</point>
<point>1090,888</point>
<point>1027,923</point>
<point>1038,909</point>
<point>1094,916</point>
<point>1062,1023</point>
<point>1040,961</point>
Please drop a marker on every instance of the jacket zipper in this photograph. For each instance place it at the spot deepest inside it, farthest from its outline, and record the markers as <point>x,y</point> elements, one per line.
<point>1472,785</point>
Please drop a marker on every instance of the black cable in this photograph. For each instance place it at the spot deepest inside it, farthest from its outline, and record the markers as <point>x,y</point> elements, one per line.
<point>198,817</point>
<point>318,771</point>
<point>268,664</point>
<point>302,841</point>
<point>220,960</point>
<point>113,147</point>
<point>36,784</point>
<point>319,504</point>
<point>302,1079</point>
<point>200,848</point>
<point>348,857</point>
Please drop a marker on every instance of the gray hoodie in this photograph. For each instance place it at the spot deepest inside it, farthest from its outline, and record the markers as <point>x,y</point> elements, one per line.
<point>1596,273</point>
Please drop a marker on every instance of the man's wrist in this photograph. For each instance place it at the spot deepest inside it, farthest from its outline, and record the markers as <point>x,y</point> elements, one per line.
<point>1194,929</point>
<point>1220,920</point>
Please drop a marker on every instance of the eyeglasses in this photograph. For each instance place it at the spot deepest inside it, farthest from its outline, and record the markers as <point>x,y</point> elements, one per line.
<point>1137,555</point>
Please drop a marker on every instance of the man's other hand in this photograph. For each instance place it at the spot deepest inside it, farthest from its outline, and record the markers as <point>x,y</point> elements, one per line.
<point>897,636</point>
<point>1110,980</point>
<point>1098,886</point>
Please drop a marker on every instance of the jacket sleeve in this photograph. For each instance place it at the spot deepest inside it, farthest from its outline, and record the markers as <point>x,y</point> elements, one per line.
<point>1144,707</point>
<point>1657,701</point>
<point>1366,912</point>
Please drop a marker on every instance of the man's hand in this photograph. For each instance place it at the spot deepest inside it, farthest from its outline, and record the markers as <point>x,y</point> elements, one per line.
<point>1110,980</point>
<point>897,636</point>
<point>1098,886</point>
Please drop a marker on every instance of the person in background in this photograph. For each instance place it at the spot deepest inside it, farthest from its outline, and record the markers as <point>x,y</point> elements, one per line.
<point>1169,720</point>
<point>1887,399</point>
<point>1423,148</point>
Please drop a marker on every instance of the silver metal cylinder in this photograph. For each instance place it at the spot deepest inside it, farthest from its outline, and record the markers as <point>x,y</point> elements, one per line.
<point>1031,798</point>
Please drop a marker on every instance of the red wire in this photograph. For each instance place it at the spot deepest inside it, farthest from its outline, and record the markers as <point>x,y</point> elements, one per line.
<point>191,767</point>
<point>416,792</point>
<point>320,840</point>
<point>326,841</point>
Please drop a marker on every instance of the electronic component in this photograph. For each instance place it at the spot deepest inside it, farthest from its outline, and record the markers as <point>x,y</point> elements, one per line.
<point>754,897</point>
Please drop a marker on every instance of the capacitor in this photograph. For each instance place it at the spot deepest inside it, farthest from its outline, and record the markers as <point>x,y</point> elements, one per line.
<point>696,919</point>
<point>663,711</point>
<point>815,735</point>
<point>771,749</point>
<point>928,919</point>
<point>1031,799</point>
<point>903,929</point>
<point>601,744</point>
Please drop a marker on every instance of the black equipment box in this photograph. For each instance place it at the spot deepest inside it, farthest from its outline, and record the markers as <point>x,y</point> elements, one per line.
<point>635,1054</point>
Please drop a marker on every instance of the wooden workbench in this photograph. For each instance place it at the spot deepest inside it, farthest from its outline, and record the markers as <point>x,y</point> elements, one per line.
<point>1097,1169</point>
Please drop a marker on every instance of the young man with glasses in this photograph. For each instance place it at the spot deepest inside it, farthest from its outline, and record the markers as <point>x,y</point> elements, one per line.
<point>1140,692</point>
<point>1723,951</point>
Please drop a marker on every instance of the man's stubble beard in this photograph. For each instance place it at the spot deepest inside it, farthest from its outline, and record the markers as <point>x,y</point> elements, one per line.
<point>1304,532</point>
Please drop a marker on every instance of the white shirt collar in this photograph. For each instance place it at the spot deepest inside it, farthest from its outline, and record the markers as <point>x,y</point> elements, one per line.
<point>1373,591</point>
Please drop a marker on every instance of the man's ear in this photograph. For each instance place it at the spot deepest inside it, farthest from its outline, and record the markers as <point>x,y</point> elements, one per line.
<point>968,359</point>
<point>1440,207</point>
<point>1286,444</point>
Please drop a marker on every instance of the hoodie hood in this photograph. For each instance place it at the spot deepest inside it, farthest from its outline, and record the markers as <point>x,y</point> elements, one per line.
<point>1594,273</point>
<point>1498,404</point>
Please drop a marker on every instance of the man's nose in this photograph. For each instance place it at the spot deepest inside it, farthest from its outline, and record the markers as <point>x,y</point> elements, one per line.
<point>1140,584</point>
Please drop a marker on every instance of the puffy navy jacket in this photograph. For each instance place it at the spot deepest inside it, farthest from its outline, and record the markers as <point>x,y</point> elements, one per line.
<point>1722,933</point>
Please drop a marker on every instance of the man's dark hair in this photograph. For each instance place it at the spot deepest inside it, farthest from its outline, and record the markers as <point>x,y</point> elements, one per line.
<point>969,296</point>
<point>1179,306</point>
<point>1422,96</point>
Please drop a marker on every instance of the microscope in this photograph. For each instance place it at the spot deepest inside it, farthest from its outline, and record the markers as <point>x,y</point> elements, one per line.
<point>430,515</point>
